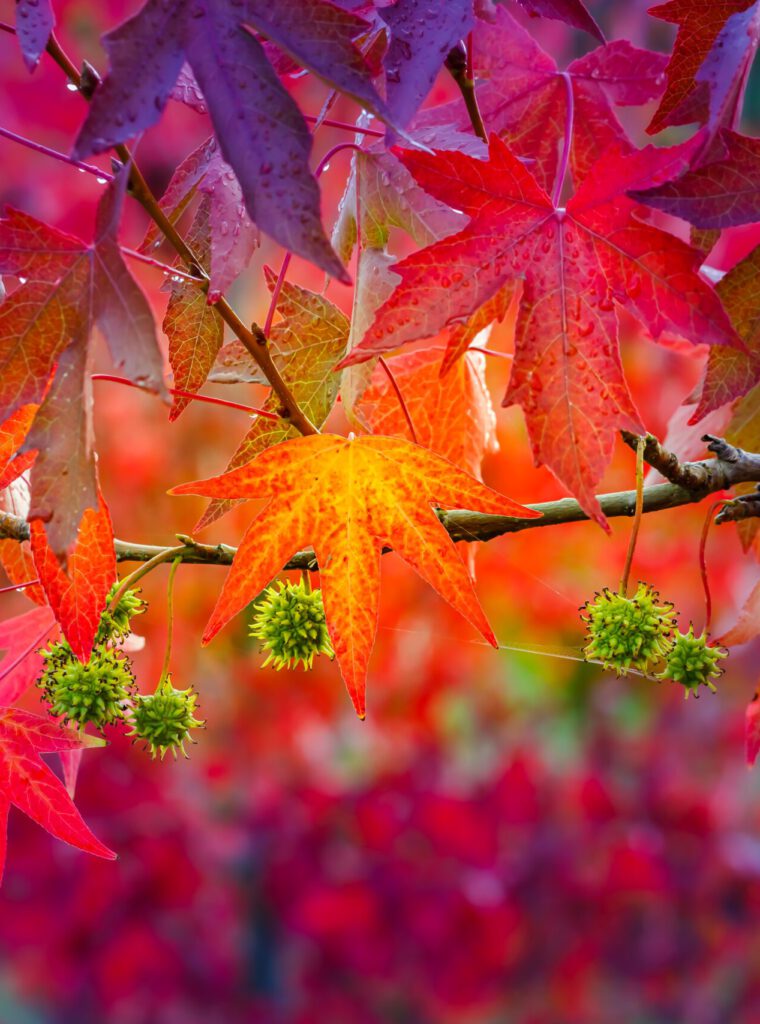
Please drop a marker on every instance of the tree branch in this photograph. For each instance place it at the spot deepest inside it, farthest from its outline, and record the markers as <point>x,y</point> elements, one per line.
<point>254,339</point>
<point>732,466</point>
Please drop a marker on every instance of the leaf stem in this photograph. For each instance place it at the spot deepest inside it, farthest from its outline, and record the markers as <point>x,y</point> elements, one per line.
<point>169,621</point>
<point>457,64</point>
<point>164,555</point>
<point>169,271</point>
<point>192,395</point>
<point>637,516</point>
<point>343,124</point>
<point>37,147</point>
<point>709,518</point>
<point>559,181</point>
<point>400,397</point>
<point>254,338</point>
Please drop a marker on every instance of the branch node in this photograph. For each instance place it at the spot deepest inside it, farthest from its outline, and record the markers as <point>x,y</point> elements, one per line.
<point>89,80</point>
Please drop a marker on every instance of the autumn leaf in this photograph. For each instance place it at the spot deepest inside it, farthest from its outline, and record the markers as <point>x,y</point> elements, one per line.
<point>731,373</point>
<point>714,47</point>
<point>576,263</point>
<point>305,343</point>
<point>12,435</point>
<point>233,237</point>
<point>46,324</point>
<point>752,730</point>
<point>719,193</point>
<point>260,130</point>
<point>747,626</point>
<point>453,417</point>
<point>525,99</point>
<point>421,35</point>
<point>572,12</point>
<point>381,492</point>
<point>77,594</point>
<point>34,23</point>
<point>20,638</point>
<point>29,785</point>
<point>194,327</point>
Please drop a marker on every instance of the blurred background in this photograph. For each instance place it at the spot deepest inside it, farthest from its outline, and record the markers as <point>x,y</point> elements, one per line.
<point>509,838</point>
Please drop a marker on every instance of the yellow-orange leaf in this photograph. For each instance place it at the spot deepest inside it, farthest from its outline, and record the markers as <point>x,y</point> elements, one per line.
<point>349,498</point>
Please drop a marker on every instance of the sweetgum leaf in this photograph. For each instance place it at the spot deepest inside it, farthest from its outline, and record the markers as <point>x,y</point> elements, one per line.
<point>422,32</point>
<point>523,96</point>
<point>747,627</point>
<point>35,21</point>
<point>305,343</point>
<point>572,12</point>
<point>381,492</point>
<point>731,373</point>
<point>77,594</point>
<point>714,47</point>
<point>718,194</point>
<point>20,638</point>
<point>194,328</point>
<point>29,785</point>
<point>259,128</point>
<point>576,263</point>
<point>453,417</point>
<point>233,235</point>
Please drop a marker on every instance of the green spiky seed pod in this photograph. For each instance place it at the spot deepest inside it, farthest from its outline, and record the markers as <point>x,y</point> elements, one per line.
<point>164,718</point>
<point>693,662</point>
<point>628,632</point>
<point>115,622</point>
<point>95,692</point>
<point>290,623</point>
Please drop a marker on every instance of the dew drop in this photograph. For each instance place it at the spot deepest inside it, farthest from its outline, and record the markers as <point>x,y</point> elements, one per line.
<point>71,87</point>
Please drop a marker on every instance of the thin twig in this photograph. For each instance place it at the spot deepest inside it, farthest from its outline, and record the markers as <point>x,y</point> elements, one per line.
<point>404,408</point>
<point>37,147</point>
<point>193,396</point>
<point>636,517</point>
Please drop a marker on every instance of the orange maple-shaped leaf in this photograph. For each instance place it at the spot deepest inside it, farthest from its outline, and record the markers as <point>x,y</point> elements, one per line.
<point>349,498</point>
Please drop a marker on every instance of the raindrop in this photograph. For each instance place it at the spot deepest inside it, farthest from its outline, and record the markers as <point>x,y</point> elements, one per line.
<point>101,181</point>
<point>22,280</point>
<point>71,87</point>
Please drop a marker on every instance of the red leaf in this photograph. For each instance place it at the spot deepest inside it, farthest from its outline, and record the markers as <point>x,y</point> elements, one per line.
<point>752,729</point>
<point>720,193</point>
<point>747,626</point>
<point>12,435</point>
<point>78,594</point>
<point>28,784</point>
<point>19,638</point>
<point>566,373</point>
<point>714,47</point>
<point>523,96</point>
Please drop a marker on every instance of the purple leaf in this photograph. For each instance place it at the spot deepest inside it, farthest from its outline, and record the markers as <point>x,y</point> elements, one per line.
<point>719,194</point>
<point>34,23</point>
<point>572,12</point>
<point>261,133</point>
<point>145,57</point>
<point>320,35</point>
<point>260,130</point>
<point>422,34</point>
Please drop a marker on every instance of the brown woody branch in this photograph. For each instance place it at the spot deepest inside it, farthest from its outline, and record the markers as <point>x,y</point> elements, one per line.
<point>731,466</point>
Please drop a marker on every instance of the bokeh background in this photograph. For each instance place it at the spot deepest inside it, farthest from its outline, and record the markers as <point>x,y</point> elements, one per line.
<point>509,837</point>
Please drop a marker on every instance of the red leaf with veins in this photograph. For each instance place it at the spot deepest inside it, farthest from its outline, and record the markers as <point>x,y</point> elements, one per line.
<point>575,262</point>
<point>26,781</point>
<point>78,594</point>
<point>714,48</point>
<point>20,637</point>
<point>523,96</point>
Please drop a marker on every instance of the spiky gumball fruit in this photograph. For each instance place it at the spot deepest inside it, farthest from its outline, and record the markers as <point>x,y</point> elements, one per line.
<point>290,623</point>
<point>164,718</point>
<point>693,662</point>
<point>628,632</point>
<point>94,692</point>
<point>115,622</point>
